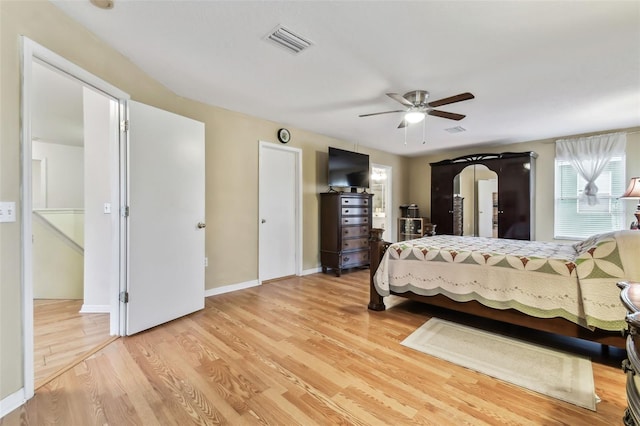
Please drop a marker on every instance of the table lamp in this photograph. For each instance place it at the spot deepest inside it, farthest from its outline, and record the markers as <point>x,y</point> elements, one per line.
<point>633,191</point>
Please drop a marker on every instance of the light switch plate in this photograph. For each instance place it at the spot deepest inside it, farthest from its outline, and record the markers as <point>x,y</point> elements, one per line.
<point>7,211</point>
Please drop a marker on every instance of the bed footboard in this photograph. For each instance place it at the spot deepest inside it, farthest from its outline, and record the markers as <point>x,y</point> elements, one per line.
<point>377,248</point>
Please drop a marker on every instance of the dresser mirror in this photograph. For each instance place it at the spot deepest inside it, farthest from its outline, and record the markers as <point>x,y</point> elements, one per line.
<point>477,187</point>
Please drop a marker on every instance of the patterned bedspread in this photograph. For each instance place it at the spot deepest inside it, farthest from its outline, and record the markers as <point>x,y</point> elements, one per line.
<point>542,279</point>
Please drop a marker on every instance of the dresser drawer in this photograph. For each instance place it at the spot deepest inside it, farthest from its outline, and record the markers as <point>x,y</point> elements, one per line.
<point>357,258</point>
<point>355,231</point>
<point>355,243</point>
<point>355,201</point>
<point>355,211</point>
<point>633,401</point>
<point>354,220</point>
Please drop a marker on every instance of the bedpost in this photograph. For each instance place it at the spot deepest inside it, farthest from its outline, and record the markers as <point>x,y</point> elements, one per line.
<point>376,302</point>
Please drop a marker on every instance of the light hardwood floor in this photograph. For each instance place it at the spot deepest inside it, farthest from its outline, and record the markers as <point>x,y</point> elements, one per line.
<point>62,335</point>
<point>304,350</point>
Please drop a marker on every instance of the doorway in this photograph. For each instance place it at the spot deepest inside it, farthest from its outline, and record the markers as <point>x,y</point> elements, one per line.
<point>60,188</point>
<point>133,244</point>
<point>73,260</point>
<point>280,211</point>
<point>382,200</point>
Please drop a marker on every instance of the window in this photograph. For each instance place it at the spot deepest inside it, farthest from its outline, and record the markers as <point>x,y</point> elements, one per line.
<point>574,218</point>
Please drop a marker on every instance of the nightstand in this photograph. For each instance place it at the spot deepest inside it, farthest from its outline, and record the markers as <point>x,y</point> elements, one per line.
<point>630,296</point>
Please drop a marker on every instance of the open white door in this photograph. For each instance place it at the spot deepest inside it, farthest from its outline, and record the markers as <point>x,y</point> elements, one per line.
<point>166,214</point>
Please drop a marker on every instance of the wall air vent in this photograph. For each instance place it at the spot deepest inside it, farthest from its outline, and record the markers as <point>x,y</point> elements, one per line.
<point>456,129</point>
<point>287,39</point>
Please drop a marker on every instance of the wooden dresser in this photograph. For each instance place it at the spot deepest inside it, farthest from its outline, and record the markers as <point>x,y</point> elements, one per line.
<point>630,296</point>
<point>345,222</point>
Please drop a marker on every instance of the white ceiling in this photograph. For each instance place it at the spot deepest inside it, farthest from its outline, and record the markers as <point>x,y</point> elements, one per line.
<point>537,69</point>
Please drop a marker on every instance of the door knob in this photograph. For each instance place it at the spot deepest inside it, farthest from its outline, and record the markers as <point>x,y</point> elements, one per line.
<point>263,221</point>
<point>201,225</point>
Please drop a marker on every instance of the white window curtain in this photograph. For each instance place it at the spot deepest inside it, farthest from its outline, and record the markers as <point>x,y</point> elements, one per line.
<point>589,156</point>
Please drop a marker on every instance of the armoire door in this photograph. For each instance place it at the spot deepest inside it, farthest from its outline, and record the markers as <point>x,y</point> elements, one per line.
<point>514,198</point>
<point>442,198</point>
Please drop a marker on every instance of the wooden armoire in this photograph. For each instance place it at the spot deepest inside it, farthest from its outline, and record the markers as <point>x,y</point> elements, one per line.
<point>515,198</point>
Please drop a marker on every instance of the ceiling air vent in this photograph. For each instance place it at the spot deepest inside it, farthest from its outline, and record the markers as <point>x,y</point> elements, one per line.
<point>456,129</point>
<point>284,37</point>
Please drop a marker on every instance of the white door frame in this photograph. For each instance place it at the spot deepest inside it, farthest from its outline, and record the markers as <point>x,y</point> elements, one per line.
<point>298,202</point>
<point>391,236</point>
<point>33,51</point>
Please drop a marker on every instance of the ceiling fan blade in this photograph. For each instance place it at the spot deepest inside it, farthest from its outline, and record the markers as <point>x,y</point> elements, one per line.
<point>444,114</point>
<point>378,113</point>
<point>457,98</point>
<point>403,124</point>
<point>400,99</point>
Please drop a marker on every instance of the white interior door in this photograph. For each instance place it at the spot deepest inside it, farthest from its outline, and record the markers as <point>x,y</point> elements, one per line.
<point>486,188</point>
<point>166,201</point>
<point>279,211</point>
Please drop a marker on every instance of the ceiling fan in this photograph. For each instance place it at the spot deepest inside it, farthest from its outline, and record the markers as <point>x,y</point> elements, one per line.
<point>418,107</point>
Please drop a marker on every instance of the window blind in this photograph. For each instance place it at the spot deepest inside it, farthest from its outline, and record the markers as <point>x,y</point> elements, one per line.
<point>573,218</point>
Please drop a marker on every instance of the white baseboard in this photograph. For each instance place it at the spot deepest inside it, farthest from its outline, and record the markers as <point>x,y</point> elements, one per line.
<point>230,288</point>
<point>11,402</point>
<point>249,284</point>
<point>95,309</point>
<point>312,271</point>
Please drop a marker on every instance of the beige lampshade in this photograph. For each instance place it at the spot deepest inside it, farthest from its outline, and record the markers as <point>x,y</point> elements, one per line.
<point>633,190</point>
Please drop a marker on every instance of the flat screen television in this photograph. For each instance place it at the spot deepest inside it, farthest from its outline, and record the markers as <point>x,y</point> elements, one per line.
<point>348,169</point>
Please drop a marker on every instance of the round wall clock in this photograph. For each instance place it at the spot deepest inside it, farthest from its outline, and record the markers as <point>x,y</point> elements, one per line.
<point>283,135</point>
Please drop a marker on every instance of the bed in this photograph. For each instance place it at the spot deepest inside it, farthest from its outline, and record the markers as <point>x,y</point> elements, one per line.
<point>568,289</point>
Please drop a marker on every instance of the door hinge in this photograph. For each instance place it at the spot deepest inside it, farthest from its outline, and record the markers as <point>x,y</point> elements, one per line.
<point>124,296</point>
<point>125,211</point>
<point>124,126</point>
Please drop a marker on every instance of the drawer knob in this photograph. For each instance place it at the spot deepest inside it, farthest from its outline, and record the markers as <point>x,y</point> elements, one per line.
<point>346,211</point>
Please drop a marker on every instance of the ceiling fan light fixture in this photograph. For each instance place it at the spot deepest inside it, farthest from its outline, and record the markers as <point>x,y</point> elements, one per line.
<point>102,4</point>
<point>414,116</point>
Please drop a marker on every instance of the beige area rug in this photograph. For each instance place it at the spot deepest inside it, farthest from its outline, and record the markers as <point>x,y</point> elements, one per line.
<point>558,374</point>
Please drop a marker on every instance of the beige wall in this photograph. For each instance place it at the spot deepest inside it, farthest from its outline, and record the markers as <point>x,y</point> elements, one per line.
<point>420,171</point>
<point>232,141</point>
<point>58,265</point>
